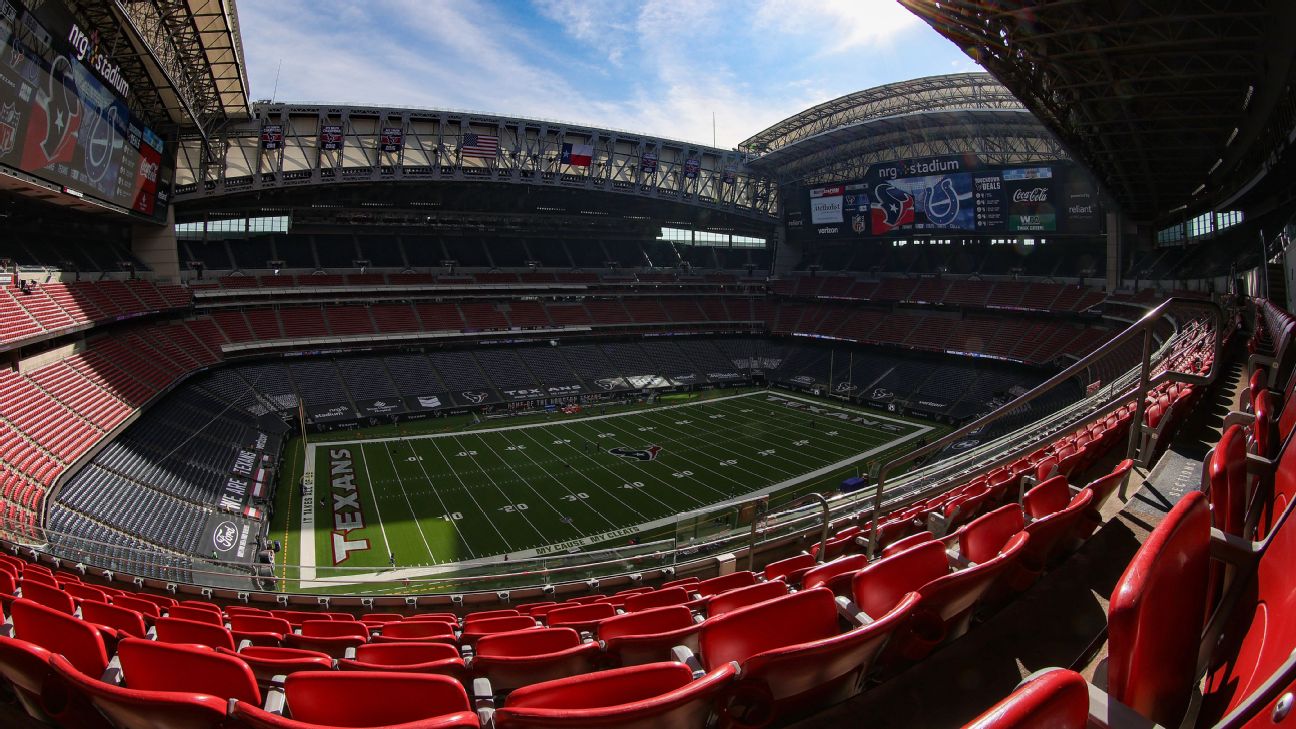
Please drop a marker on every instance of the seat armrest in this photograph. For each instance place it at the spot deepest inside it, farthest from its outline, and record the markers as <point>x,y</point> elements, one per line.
<point>482,693</point>
<point>1231,549</point>
<point>275,700</point>
<point>1238,418</point>
<point>851,612</point>
<point>682,654</point>
<point>1104,711</point>
<point>486,717</point>
<point>243,644</point>
<point>113,672</point>
<point>349,653</point>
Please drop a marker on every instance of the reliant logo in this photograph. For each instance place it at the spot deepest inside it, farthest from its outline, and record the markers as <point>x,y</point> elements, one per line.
<point>1081,209</point>
<point>638,454</point>
<point>1038,194</point>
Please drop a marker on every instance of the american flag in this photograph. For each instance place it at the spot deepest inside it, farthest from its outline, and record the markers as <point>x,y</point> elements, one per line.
<point>479,145</point>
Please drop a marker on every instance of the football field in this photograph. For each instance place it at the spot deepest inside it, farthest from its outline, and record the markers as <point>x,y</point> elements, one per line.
<point>563,483</point>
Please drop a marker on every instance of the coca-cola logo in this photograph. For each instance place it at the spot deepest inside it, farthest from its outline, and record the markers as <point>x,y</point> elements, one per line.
<point>1038,194</point>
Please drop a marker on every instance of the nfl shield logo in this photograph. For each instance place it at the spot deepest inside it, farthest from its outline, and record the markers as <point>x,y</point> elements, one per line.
<point>858,223</point>
<point>8,128</point>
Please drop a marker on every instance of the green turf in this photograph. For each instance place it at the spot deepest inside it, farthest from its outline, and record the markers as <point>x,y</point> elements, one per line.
<point>446,491</point>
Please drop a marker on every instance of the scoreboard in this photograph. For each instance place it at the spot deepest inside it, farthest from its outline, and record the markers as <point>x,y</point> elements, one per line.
<point>952,194</point>
<point>63,111</point>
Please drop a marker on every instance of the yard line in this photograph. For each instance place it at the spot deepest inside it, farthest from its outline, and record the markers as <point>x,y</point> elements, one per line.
<point>374,495</point>
<point>417,521</point>
<point>598,485</point>
<point>484,472</point>
<point>555,479</point>
<point>470,495</point>
<point>528,484</point>
<point>872,437</point>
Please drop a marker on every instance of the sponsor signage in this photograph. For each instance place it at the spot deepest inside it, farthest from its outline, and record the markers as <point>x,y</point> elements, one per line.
<point>381,406</point>
<point>228,538</point>
<point>424,403</point>
<point>65,110</point>
<point>330,413</point>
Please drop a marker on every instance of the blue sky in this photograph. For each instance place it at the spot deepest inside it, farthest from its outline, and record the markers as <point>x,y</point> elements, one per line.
<point>659,67</point>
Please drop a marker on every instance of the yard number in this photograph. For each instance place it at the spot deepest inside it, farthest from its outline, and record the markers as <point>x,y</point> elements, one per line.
<point>466,453</point>
<point>453,516</point>
<point>578,496</point>
<point>510,508</point>
<point>633,485</point>
<point>682,474</point>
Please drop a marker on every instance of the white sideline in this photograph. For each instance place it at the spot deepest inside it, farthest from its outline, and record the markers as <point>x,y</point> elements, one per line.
<point>309,577</point>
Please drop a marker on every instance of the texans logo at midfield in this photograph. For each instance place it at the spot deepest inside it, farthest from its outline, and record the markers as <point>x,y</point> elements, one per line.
<point>639,454</point>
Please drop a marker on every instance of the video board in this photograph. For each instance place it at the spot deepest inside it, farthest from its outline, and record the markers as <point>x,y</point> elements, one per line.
<point>64,114</point>
<point>953,194</point>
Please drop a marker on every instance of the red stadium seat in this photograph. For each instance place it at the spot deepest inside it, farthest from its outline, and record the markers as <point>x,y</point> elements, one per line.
<point>522,657</point>
<point>1052,699</point>
<point>717,585</point>
<point>660,597</point>
<point>1047,497</point>
<point>580,617</point>
<point>416,630</point>
<point>42,633</point>
<point>636,697</point>
<point>1156,615</point>
<point>179,630</point>
<point>912,540</point>
<point>264,630</point>
<point>981,540</point>
<point>320,700</point>
<point>789,569</point>
<point>381,618</point>
<point>1228,481</point>
<point>1102,487</point>
<point>147,608</point>
<point>267,662</point>
<point>335,629</point>
<point>490,626</point>
<point>51,597</point>
<point>793,657</point>
<point>85,593</point>
<point>438,658</point>
<point>648,636</point>
<point>1048,537</point>
<point>489,614</point>
<point>439,617</point>
<point>123,620</point>
<point>727,602</point>
<point>835,574</point>
<point>198,615</point>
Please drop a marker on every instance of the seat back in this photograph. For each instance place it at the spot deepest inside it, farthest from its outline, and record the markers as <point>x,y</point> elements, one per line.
<point>267,662</point>
<point>61,633</point>
<point>1156,614</point>
<point>800,617</point>
<point>418,630</point>
<point>179,630</point>
<point>147,608</point>
<point>114,616</point>
<point>1227,478</point>
<point>488,615</point>
<point>828,572</point>
<point>1048,496</point>
<point>647,622</point>
<point>635,697</point>
<point>489,626</point>
<point>367,699</point>
<point>983,539</point>
<point>790,568</point>
<point>197,615</point>
<point>1050,533</point>
<point>526,643</point>
<point>580,615</point>
<point>149,665</point>
<point>51,597</point>
<point>334,629</point>
<point>717,585</point>
<point>1057,699</point>
<point>127,707</point>
<point>951,598</point>
<point>1104,486</point>
<point>85,593</point>
<point>404,654</point>
<point>660,597</point>
<point>259,624</point>
<point>729,601</point>
<point>879,587</point>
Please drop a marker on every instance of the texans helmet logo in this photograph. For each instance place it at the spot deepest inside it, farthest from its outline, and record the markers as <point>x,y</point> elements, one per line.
<point>892,208</point>
<point>476,397</point>
<point>639,454</point>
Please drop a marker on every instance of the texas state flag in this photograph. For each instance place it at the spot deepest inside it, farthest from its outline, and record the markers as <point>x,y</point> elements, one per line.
<point>577,155</point>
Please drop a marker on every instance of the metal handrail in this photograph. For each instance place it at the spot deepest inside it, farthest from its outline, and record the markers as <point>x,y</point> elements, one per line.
<point>1141,327</point>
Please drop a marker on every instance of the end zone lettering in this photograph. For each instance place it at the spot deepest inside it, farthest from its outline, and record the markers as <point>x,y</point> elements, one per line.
<point>347,513</point>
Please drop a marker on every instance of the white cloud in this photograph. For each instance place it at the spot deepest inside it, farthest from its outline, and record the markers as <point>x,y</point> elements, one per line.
<point>839,25</point>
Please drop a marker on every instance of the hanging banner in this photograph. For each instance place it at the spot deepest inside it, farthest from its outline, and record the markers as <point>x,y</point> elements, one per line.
<point>331,139</point>
<point>392,140</point>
